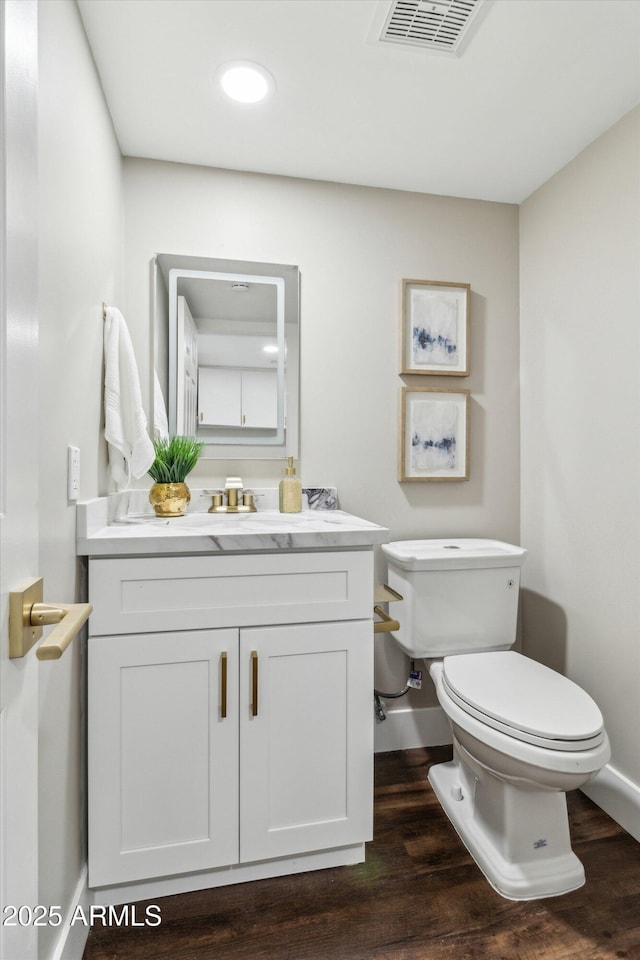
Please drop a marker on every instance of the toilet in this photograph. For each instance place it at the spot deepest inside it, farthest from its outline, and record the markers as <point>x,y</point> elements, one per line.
<point>522,734</point>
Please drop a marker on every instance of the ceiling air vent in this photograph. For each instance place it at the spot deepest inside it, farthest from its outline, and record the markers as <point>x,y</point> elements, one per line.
<point>433,24</point>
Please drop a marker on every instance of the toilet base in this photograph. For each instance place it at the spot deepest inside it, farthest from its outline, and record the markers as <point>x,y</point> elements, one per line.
<point>518,836</point>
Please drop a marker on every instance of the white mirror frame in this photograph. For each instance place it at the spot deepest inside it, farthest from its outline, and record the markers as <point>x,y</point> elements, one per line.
<point>284,440</point>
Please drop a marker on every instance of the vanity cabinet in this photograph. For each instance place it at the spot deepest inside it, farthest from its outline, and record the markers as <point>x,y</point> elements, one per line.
<point>230,715</point>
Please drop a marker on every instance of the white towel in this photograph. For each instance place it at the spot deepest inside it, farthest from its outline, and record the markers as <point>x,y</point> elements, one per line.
<point>160,421</point>
<point>131,452</point>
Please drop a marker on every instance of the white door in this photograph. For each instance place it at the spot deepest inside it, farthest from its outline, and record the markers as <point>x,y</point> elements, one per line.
<point>187,375</point>
<point>18,471</point>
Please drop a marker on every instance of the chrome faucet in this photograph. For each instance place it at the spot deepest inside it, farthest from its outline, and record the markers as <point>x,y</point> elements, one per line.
<point>234,492</point>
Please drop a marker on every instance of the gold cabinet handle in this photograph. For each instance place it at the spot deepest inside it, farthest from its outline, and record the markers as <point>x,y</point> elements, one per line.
<point>28,615</point>
<point>254,683</point>
<point>223,686</point>
<point>69,617</point>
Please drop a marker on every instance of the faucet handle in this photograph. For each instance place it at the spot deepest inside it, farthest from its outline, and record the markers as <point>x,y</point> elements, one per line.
<point>217,497</point>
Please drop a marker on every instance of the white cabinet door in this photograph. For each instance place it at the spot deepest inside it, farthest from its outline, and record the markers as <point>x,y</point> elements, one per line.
<point>259,398</point>
<point>163,757</point>
<point>220,396</point>
<point>306,768</point>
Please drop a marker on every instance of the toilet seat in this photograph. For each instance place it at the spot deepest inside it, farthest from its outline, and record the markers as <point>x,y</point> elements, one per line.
<point>523,699</point>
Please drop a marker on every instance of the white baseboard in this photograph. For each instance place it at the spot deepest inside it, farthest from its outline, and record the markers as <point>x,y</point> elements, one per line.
<point>405,729</point>
<point>618,796</point>
<point>73,932</point>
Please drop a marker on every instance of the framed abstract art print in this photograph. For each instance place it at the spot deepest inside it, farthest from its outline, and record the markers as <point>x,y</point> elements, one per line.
<point>434,434</point>
<point>435,328</point>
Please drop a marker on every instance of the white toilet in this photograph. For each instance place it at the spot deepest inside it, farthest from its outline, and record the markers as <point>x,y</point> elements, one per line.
<point>522,733</point>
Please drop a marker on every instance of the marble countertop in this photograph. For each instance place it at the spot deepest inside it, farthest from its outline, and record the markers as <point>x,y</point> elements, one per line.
<point>201,532</point>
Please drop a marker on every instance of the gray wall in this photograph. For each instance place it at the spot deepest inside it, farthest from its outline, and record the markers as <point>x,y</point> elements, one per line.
<point>580,357</point>
<point>80,254</point>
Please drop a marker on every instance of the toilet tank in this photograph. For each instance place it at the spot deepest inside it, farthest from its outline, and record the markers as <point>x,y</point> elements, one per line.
<point>459,595</point>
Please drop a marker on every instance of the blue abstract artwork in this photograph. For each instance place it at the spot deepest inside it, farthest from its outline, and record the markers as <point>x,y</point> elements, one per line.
<point>434,437</point>
<point>434,334</point>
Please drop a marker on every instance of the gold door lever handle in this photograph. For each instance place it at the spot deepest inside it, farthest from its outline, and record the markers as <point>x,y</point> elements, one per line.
<point>69,617</point>
<point>28,615</point>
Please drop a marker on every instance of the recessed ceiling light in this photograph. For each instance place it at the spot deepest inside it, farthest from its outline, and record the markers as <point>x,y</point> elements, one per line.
<point>245,82</point>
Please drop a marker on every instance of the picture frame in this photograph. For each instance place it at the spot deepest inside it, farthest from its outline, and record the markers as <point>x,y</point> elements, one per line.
<point>435,328</point>
<point>434,434</point>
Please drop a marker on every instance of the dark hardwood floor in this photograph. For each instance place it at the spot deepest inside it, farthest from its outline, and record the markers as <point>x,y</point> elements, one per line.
<point>419,896</point>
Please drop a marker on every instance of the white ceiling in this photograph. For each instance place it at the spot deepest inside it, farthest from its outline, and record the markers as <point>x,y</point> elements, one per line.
<point>536,83</point>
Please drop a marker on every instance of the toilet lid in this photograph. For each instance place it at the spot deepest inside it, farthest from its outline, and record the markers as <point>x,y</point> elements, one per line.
<point>524,699</point>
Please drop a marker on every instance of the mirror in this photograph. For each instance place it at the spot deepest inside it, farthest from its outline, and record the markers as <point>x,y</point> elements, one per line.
<point>226,353</point>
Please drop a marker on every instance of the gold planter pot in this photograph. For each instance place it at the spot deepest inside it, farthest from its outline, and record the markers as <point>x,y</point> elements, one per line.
<point>169,499</point>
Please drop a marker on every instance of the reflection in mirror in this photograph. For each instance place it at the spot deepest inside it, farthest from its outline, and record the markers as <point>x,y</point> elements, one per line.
<point>227,352</point>
<point>226,356</point>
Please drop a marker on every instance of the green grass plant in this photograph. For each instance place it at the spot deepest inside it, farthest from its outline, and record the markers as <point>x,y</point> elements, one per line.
<point>175,458</point>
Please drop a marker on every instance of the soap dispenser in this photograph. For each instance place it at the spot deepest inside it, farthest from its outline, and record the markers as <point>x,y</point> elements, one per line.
<point>290,490</point>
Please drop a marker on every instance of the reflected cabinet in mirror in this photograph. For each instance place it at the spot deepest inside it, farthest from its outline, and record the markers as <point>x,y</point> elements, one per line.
<point>226,353</point>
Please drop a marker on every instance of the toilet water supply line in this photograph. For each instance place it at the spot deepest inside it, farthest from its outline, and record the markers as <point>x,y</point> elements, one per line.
<point>414,682</point>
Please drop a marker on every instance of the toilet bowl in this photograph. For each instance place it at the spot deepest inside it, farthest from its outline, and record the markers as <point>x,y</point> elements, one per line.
<point>522,734</point>
<point>505,794</point>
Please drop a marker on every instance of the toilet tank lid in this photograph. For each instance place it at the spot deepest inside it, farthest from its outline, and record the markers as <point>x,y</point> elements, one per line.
<point>453,554</point>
